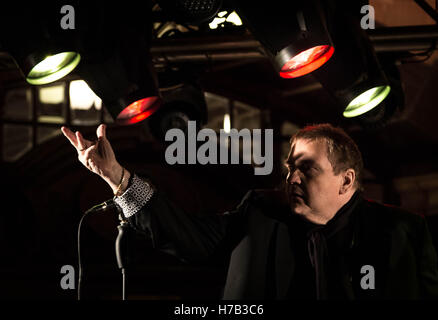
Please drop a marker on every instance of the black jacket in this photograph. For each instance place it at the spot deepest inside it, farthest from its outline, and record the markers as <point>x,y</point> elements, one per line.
<point>259,233</point>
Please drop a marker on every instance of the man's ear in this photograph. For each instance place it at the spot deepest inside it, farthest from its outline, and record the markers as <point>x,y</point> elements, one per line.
<point>348,179</point>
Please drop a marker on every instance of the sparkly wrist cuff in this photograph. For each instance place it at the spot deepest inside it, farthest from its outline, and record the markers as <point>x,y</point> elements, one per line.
<point>135,197</point>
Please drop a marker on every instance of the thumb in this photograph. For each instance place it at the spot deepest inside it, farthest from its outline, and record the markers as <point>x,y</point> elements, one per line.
<point>101,131</point>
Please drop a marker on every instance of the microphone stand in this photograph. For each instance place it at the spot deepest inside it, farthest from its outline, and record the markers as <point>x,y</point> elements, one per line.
<point>121,252</point>
<point>97,208</point>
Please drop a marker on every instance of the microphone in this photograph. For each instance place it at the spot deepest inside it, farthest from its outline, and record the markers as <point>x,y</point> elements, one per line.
<point>99,207</point>
<point>102,206</point>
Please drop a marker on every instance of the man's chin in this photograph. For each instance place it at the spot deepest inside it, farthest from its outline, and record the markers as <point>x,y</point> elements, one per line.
<point>296,208</point>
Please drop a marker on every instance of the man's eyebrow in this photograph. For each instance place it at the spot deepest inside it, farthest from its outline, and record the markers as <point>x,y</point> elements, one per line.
<point>290,161</point>
<point>312,162</point>
<point>309,162</point>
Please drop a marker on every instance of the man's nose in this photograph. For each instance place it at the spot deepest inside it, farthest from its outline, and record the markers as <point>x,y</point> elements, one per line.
<point>293,177</point>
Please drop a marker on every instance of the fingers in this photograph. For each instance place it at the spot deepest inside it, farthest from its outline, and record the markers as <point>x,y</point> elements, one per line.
<point>94,155</point>
<point>90,151</point>
<point>81,142</point>
<point>70,136</point>
<point>76,139</point>
<point>101,136</point>
<point>101,131</point>
<point>100,145</point>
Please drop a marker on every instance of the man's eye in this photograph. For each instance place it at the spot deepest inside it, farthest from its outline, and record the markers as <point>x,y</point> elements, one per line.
<point>306,168</point>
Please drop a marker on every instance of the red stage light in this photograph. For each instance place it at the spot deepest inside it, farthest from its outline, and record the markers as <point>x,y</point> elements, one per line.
<point>139,110</point>
<point>306,61</point>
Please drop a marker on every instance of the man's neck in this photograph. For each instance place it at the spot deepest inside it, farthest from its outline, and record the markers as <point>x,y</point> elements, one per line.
<point>322,218</point>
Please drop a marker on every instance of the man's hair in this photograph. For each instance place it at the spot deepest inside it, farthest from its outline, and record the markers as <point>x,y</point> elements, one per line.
<point>342,151</point>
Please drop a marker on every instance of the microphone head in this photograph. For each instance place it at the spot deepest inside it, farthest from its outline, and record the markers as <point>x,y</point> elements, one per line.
<point>103,206</point>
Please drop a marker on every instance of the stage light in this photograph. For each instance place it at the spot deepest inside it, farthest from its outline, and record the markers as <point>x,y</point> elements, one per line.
<point>306,62</point>
<point>182,102</point>
<point>42,51</point>
<point>394,102</point>
<point>293,34</point>
<point>138,110</point>
<point>126,83</point>
<point>118,67</point>
<point>130,96</point>
<point>354,75</point>
<point>50,68</point>
<point>366,101</point>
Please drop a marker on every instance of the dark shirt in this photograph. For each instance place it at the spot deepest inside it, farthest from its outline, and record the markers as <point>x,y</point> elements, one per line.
<point>322,255</point>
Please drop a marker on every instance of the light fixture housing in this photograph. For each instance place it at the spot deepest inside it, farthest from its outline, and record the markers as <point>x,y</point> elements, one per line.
<point>42,51</point>
<point>130,96</point>
<point>183,101</point>
<point>190,11</point>
<point>394,102</point>
<point>293,33</point>
<point>354,75</point>
<point>118,67</point>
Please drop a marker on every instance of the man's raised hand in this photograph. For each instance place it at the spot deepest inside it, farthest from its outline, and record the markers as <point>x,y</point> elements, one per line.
<point>97,156</point>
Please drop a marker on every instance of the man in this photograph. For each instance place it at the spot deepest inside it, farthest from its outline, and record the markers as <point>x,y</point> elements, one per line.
<point>317,239</point>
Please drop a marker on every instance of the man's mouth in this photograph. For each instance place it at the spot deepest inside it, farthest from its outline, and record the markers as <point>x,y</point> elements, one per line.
<point>296,194</point>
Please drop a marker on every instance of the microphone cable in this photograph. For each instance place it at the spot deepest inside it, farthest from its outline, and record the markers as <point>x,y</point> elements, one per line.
<point>97,208</point>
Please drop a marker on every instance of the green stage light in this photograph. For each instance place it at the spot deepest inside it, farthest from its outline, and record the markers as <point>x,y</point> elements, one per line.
<point>354,76</point>
<point>366,101</point>
<point>52,67</point>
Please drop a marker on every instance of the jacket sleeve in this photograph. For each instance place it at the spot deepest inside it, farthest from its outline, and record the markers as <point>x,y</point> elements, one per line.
<point>187,236</point>
<point>428,265</point>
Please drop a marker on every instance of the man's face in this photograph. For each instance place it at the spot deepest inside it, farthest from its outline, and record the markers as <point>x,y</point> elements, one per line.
<point>312,186</point>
